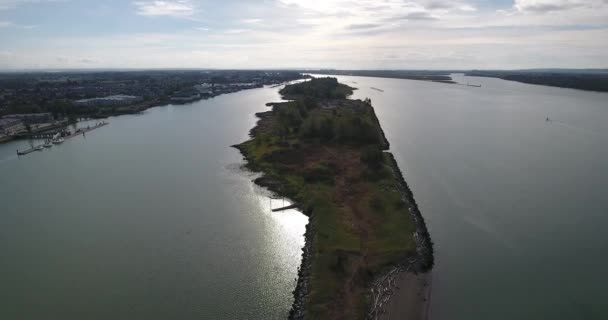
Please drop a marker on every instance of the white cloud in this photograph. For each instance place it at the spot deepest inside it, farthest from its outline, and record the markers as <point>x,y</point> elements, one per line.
<point>540,6</point>
<point>251,21</point>
<point>10,4</point>
<point>179,8</point>
<point>88,60</point>
<point>10,24</point>
<point>335,33</point>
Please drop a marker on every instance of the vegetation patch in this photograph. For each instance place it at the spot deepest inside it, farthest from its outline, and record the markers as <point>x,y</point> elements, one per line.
<point>326,152</point>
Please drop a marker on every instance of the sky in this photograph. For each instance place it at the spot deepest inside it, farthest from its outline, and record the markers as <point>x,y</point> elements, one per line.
<point>341,34</point>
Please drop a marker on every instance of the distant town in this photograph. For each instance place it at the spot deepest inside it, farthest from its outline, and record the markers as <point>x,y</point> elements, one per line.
<point>39,104</point>
<point>32,104</point>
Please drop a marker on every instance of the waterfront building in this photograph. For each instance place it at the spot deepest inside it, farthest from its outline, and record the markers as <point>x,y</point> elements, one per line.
<point>114,100</point>
<point>205,89</point>
<point>11,126</point>
<point>186,96</point>
<point>31,118</point>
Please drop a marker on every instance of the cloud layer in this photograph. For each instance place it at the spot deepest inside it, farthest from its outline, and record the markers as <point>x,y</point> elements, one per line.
<point>181,8</point>
<point>357,34</point>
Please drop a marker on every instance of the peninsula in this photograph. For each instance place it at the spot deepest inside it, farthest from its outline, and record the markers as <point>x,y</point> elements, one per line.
<point>327,153</point>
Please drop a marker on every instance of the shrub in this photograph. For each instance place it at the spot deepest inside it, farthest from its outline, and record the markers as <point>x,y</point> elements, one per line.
<point>376,204</point>
<point>319,173</point>
<point>373,157</point>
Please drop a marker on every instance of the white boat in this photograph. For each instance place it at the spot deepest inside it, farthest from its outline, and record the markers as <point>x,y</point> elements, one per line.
<point>57,139</point>
<point>38,148</point>
<point>47,144</point>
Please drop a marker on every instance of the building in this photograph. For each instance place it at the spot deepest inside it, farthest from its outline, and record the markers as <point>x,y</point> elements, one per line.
<point>205,89</point>
<point>10,126</point>
<point>186,96</point>
<point>31,118</point>
<point>115,100</point>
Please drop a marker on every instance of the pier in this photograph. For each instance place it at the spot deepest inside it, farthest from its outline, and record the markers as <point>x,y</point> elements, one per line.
<point>28,151</point>
<point>85,130</point>
<point>293,206</point>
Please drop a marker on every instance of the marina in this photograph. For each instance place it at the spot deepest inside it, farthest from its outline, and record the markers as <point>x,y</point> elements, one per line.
<point>57,138</point>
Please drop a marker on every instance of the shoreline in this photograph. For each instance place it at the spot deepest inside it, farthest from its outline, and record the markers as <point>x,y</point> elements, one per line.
<point>129,110</point>
<point>302,289</point>
<point>409,296</point>
<point>404,291</point>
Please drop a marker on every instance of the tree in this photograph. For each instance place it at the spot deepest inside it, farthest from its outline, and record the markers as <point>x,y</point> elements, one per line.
<point>373,157</point>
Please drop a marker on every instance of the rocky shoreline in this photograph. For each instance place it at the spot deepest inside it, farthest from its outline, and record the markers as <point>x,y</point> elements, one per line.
<point>385,285</point>
<point>302,289</point>
<point>424,246</point>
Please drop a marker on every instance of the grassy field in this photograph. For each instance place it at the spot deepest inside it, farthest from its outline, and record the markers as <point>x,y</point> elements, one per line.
<point>326,153</point>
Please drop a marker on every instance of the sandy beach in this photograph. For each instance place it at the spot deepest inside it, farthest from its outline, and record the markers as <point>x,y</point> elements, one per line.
<point>410,298</point>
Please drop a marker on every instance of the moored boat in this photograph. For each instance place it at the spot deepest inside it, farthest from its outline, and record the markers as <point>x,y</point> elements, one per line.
<point>57,139</point>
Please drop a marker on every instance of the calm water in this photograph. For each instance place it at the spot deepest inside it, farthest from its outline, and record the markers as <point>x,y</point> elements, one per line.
<point>147,218</point>
<point>516,206</point>
<point>150,218</point>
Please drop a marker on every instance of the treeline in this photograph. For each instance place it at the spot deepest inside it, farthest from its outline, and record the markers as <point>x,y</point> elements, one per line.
<point>581,81</point>
<point>305,119</point>
<point>61,109</point>
<point>58,108</point>
<point>424,75</point>
<point>320,88</point>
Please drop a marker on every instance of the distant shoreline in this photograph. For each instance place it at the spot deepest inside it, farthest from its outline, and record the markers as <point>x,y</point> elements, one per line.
<point>595,82</point>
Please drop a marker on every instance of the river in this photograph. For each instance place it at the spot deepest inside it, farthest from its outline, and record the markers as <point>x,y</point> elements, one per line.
<point>151,217</point>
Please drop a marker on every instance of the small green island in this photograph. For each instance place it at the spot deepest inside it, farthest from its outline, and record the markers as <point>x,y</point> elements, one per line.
<point>327,153</point>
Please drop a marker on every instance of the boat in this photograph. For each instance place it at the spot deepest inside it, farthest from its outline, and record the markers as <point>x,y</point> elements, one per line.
<point>57,139</point>
<point>47,144</point>
<point>38,148</point>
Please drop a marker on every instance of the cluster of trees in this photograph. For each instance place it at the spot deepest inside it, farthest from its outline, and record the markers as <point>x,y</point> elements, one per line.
<point>323,173</point>
<point>321,88</point>
<point>594,81</point>
<point>373,157</point>
<point>341,127</point>
<point>58,108</point>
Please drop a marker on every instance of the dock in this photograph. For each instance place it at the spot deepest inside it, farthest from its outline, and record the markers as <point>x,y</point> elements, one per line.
<point>293,206</point>
<point>85,130</point>
<point>28,151</point>
<point>80,131</point>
